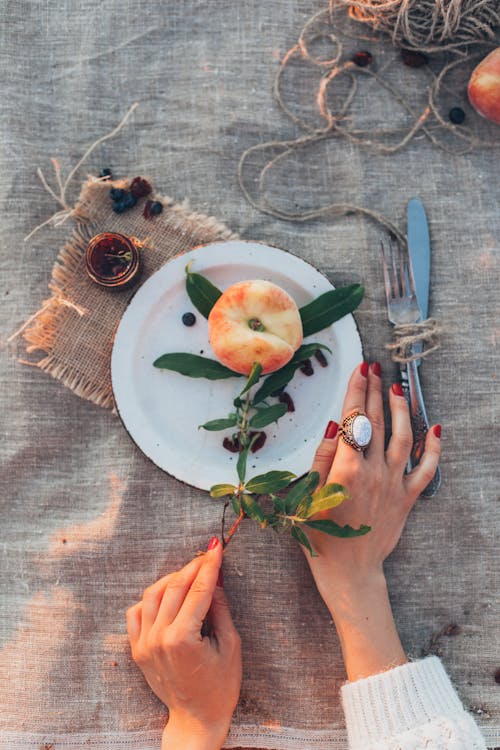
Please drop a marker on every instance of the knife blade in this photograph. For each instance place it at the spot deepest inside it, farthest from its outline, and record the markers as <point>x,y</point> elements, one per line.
<point>419,249</point>
<point>419,266</point>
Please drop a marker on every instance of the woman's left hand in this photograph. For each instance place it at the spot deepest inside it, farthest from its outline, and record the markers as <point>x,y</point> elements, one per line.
<point>197,677</point>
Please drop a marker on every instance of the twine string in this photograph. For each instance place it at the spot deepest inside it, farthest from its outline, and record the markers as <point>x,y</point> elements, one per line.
<point>59,217</point>
<point>407,336</point>
<point>428,121</point>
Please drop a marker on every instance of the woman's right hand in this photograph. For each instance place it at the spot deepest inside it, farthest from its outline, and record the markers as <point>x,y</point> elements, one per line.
<point>349,571</point>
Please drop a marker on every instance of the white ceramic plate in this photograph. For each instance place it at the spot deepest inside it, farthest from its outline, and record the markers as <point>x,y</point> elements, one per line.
<point>161,410</point>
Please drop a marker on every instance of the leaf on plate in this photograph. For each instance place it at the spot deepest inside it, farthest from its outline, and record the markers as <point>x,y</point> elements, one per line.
<point>202,293</point>
<point>219,424</point>
<point>194,366</point>
<point>221,490</point>
<point>253,377</point>
<point>332,528</point>
<point>266,416</point>
<point>330,307</point>
<point>275,381</point>
<point>306,351</point>
<point>272,481</point>
<point>241,466</point>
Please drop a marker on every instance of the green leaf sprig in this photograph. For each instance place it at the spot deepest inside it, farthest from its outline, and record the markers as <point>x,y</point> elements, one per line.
<point>275,499</point>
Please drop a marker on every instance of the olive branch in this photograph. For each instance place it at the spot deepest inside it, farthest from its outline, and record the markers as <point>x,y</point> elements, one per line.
<point>276,499</point>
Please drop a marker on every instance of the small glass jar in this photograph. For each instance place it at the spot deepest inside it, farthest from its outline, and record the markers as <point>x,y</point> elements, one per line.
<point>113,260</point>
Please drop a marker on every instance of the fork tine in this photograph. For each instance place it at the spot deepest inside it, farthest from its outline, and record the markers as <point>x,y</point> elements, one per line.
<point>387,283</point>
<point>394,263</point>
<point>402,268</point>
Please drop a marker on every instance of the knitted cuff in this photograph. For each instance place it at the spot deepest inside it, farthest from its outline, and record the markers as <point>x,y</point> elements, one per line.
<point>387,704</point>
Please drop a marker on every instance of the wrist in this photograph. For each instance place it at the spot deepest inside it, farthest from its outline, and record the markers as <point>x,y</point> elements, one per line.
<point>365,625</point>
<point>187,733</point>
<point>348,598</point>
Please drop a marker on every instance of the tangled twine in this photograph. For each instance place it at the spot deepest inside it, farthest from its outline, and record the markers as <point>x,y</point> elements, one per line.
<point>324,25</point>
<point>406,337</point>
<point>429,25</point>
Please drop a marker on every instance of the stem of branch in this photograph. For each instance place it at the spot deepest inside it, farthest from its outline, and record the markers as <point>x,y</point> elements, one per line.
<point>232,530</point>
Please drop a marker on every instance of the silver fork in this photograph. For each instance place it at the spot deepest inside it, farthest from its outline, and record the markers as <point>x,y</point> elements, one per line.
<point>402,308</point>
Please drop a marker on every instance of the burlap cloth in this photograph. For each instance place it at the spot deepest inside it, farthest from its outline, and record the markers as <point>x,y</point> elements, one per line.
<point>87,520</point>
<point>71,336</point>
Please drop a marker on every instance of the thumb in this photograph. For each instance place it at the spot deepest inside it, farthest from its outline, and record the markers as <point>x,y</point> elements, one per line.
<point>220,618</point>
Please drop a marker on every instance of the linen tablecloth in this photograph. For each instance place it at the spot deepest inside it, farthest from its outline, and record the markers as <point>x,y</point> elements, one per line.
<point>87,520</point>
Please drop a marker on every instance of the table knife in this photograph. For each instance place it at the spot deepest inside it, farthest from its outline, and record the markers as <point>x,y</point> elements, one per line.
<point>419,267</point>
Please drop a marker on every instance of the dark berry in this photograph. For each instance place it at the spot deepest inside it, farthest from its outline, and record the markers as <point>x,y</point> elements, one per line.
<point>189,319</point>
<point>497,676</point>
<point>140,187</point>
<point>259,441</point>
<point>116,194</point>
<point>307,368</point>
<point>285,398</point>
<point>156,208</point>
<point>456,115</point>
<point>119,207</point>
<point>362,59</point>
<point>106,172</point>
<point>414,59</point>
<point>129,200</point>
<point>321,358</point>
<point>231,445</point>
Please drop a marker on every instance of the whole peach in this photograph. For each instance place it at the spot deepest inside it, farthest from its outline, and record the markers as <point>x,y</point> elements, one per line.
<point>484,87</point>
<point>255,321</point>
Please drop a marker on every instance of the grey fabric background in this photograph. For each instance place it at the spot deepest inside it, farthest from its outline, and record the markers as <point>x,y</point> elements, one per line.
<point>87,521</point>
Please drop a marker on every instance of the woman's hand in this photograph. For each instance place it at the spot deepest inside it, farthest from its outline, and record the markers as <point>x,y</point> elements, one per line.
<point>349,572</point>
<point>197,677</point>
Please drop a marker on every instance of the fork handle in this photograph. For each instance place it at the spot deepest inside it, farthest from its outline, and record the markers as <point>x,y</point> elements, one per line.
<point>419,423</point>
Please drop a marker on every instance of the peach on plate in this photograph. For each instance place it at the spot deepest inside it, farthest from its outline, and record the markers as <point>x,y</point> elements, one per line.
<point>255,321</point>
<point>484,87</point>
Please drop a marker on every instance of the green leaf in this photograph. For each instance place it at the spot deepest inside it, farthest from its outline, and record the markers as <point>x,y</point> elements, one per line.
<point>279,504</point>
<point>302,539</point>
<point>202,293</point>
<point>255,374</point>
<point>326,498</point>
<point>266,416</point>
<point>274,381</point>
<point>332,528</point>
<point>329,307</point>
<point>221,490</point>
<point>235,502</point>
<point>253,509</point>
<point>219,424</point>
<point>308,350</point>
<point>194,366</point>
<point>270,482</point>
<point>301,490</point>
<point>241,466</point>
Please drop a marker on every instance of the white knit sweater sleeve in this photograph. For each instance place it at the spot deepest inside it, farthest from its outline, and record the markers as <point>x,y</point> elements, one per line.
<point>408,708</point>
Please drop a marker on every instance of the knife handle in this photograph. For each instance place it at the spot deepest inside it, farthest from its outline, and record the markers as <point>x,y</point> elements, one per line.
<point>419,423</point>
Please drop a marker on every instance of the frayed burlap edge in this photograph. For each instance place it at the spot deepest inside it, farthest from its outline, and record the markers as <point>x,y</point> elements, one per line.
<point>38,333</point>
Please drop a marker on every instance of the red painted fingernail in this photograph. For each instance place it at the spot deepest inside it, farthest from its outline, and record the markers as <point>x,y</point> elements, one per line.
<point>376,369</point>
<point>220,578</point>
<point>437,430</point>
<point>397,389</point>
<point>364,369</point>
<point>212,543</point>
<point>331,430</point>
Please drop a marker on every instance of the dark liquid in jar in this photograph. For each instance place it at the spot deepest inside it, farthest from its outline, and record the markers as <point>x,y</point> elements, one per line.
<point>111,258</point>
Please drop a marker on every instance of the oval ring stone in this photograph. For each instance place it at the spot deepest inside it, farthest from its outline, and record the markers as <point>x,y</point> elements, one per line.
<point>361,430</point>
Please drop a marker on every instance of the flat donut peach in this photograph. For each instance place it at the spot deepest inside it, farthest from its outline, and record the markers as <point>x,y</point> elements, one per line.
<point>255,321</point>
